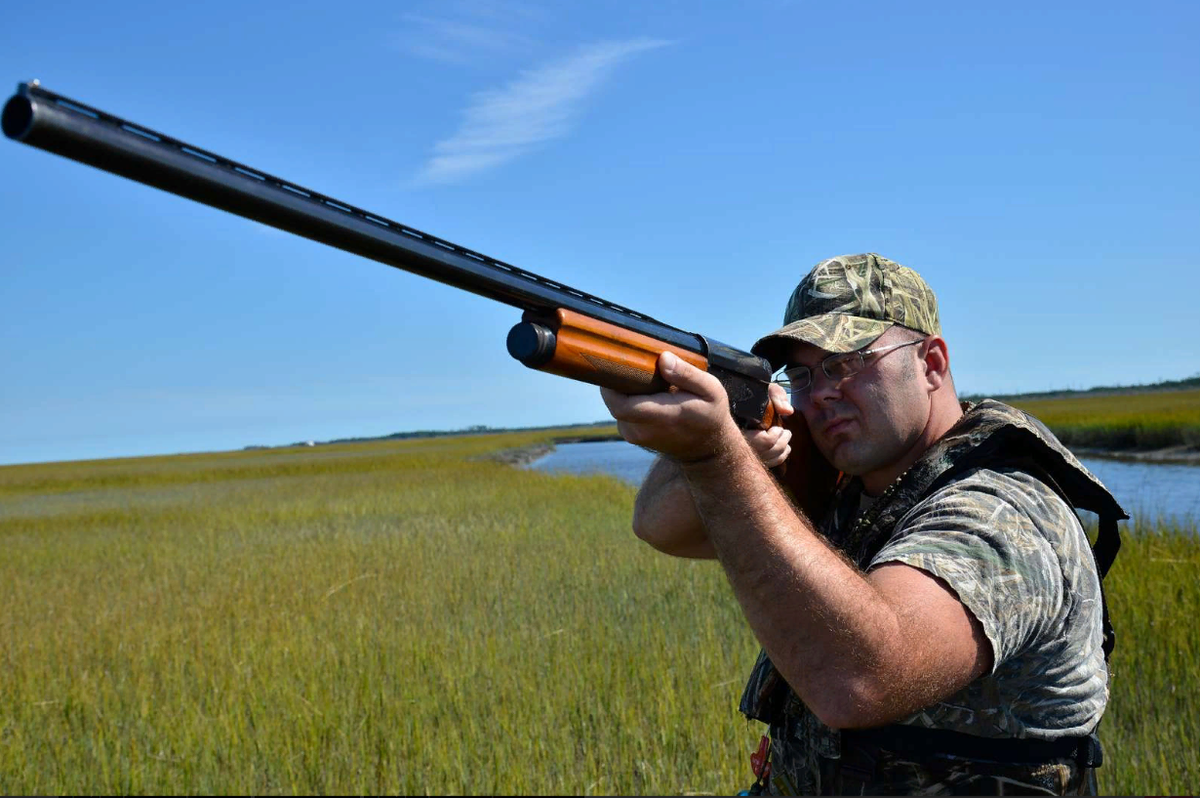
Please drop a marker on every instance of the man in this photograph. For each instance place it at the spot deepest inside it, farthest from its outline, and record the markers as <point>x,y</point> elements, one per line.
<point>941,630</point>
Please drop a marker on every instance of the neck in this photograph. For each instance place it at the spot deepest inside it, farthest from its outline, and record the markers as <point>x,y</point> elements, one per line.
<point>944,413</point>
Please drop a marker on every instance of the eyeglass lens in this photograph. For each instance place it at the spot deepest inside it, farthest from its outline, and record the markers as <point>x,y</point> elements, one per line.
<point>836,367</point>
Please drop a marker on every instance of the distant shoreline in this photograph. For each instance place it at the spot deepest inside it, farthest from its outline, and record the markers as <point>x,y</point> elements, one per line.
<point>1171,455</point>
<point>524,455</point>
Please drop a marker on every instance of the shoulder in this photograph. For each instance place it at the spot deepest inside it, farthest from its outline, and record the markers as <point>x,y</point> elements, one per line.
<point>1019,560</point>
<point>1007,545</point>
<point>992,524</point>
<point>1013,515</point>
<point>996,493</point>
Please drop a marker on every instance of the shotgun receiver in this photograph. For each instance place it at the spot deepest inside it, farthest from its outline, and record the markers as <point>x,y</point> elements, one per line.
<point>563,331</point>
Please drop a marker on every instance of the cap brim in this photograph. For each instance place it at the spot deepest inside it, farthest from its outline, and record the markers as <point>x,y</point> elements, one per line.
<point>833,332</point>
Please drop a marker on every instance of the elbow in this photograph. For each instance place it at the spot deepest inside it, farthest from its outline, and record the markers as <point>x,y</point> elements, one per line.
<point>643,525</point>
<point>855,702</point>
<point>648,526</point>
<point>651,533</point>
<point>673,536</point>
<point>849,714</point>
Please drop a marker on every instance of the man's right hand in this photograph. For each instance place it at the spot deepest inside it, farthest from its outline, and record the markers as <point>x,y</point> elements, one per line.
<point>773,446</point>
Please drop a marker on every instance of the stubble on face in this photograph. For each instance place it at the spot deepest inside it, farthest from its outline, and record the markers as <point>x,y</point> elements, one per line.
<point>871,421</point>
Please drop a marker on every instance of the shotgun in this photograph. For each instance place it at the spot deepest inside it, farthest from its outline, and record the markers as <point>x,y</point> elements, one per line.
<point>562,330</point>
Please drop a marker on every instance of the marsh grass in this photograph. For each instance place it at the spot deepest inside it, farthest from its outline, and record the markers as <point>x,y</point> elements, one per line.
<point>1130,421</point>
<point>403,617</point>
<point>1151,732</point>
<point>414,617</point>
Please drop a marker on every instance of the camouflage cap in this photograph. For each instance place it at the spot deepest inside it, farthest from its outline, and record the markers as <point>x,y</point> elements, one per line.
<point>847,302</point>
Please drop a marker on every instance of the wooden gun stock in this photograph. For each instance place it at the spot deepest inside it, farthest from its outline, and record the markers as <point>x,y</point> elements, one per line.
<point>808,477</point>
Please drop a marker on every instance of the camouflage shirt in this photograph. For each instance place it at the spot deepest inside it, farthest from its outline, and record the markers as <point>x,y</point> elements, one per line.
<point>1018,559</point>
<point>971,513</point>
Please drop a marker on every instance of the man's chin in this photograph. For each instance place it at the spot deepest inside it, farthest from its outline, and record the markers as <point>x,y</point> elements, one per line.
<point>837,455</point>
<point>843,456</point>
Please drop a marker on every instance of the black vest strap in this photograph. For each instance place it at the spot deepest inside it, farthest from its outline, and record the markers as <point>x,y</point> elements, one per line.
<point>921,743</point>
<point>1108,543</point>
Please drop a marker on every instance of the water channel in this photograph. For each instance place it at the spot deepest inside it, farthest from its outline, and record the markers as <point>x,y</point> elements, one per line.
<point>1148,491</point>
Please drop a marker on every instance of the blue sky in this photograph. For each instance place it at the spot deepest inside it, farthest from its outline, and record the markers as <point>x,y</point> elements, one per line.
<point>1037,163</point>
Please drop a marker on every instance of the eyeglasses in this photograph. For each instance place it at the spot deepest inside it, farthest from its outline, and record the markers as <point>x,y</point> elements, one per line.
<point>798,379</point>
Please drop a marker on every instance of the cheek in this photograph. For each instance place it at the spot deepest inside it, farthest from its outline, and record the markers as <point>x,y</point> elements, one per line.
<point>877,406</point>
<point>896,410</point>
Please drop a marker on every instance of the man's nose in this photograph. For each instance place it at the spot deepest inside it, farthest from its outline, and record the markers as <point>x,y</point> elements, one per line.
<point>823,389</point>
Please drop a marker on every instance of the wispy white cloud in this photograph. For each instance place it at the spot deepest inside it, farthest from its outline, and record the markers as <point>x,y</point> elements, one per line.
<point>540,105</point>
<point>455,42</point>
<point>467,31</point>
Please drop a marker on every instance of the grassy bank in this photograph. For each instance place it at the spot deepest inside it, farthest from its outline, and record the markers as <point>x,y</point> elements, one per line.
<point>403,618</point>
<point>1151,732</point>
<point>416,617</point>
<point>1122,422</point>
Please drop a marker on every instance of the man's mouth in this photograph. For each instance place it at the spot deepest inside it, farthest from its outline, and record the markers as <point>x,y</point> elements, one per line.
<point>835,426</point>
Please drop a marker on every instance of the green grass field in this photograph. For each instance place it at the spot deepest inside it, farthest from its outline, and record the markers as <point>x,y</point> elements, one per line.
<point>414,617</point>
<point>1145,420</point>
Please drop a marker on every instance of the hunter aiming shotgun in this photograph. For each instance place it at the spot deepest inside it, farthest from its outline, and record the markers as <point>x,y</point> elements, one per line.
<point>563,331</point>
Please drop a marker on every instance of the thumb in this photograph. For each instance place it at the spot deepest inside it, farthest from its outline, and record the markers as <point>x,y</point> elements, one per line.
<point>780,399</point>
<point>684,376</point>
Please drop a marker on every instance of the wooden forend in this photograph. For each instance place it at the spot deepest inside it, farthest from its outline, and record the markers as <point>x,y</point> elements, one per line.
<point>604,354</point>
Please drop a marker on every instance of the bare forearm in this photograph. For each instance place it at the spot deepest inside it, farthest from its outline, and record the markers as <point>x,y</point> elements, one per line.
<point>665,516</point>
<point>860,650</point>
<point>829,631</point>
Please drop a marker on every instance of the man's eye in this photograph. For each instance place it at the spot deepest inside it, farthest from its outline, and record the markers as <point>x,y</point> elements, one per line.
<point>799,376</point>
<point>840,366</point>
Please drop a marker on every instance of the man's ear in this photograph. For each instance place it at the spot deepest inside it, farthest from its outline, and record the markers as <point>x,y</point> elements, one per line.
<point>937,361</point>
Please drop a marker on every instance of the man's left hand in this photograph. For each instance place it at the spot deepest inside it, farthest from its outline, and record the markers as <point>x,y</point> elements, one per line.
<point>689,424</point>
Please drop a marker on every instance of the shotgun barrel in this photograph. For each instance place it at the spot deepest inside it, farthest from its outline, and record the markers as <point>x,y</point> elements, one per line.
<point>563,330</point>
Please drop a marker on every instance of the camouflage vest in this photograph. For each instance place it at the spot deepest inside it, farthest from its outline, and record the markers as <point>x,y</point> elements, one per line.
<point>808,757</point>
